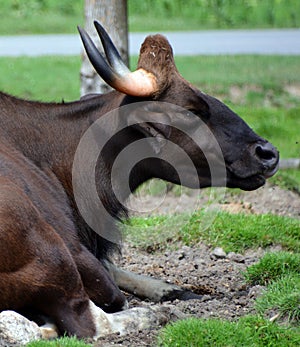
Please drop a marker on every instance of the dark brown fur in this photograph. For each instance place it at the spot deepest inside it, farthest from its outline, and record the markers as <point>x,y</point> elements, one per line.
<point>156,56</point>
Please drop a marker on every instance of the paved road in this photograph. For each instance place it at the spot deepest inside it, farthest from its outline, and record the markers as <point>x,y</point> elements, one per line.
<point>285,41</point>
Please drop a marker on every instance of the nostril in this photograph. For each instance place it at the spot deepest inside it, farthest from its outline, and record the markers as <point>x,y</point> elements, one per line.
<point>265,152</point>
<point>269,158</point>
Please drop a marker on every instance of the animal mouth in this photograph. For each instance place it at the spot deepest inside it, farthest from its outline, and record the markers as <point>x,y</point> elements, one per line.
<point>271,172</point>
<point>251,182</point>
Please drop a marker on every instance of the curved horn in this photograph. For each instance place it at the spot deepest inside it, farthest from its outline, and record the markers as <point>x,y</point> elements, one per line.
<point>96,58</point>
<point>111,51</point>
<point>138,83</point>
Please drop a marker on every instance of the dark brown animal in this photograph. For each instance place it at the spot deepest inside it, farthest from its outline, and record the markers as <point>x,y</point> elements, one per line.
<point>51,261</point>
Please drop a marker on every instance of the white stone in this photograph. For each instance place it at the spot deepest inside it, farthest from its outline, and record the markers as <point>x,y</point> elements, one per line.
<point>219,252</point>
<point>16,330</point>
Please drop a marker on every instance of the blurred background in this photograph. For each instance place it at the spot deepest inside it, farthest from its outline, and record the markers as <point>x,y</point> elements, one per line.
<point>52,16</point>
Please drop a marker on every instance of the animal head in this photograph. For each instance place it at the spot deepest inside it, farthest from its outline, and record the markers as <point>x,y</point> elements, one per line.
<point>248,158</point>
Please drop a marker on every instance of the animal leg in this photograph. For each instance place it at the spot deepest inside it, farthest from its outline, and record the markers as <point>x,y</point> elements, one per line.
<point>147,287</point>
<point>36,269</point>
<point>98,283</point>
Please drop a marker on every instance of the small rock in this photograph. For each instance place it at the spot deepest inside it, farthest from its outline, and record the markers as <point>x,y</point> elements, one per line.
<point>236,257</point>
<point>16,330</point>
<point>256,291</point>
<point>219,253</point>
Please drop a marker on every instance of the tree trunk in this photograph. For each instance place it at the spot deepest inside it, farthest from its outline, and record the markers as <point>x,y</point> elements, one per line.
<point>112,14</point>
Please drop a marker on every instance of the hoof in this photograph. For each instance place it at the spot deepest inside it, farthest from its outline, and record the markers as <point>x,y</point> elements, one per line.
<point>181,294</point>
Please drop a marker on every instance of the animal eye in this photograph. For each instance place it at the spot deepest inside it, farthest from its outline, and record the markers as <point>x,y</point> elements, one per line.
<point>190,113</point>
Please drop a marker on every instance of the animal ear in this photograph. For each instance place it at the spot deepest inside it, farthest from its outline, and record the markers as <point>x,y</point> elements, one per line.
<point>153,122</point>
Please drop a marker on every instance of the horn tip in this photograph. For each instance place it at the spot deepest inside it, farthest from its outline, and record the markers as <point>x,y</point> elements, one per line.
<point>80,29</point>
<point>98,26</point>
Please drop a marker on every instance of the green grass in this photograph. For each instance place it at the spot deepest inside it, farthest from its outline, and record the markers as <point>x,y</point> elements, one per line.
<point>52,16</point>
<point>42,78</point>
<point>280,271</point>
<point>40,17</point>
<point>273,266</point>
<point>282,297</point>
<point>233,232</point>
<point>248,331</point>
<point>47,22</point>
<point>280,126</point>
<point>238,232</point>
<point>199,14</point>
<point>62,342</point>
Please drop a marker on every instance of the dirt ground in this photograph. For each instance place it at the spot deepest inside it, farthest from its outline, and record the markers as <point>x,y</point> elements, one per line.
<point>218,278</point>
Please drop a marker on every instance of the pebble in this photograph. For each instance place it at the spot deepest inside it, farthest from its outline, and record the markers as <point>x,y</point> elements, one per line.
<point>181,255</point>
<point>219,253</point>
<point>236,257</point>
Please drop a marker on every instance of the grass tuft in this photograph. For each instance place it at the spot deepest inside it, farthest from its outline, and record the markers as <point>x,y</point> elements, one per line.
<point>272,266</point>
<point>238,232</point>
<point>61,342</point>
<point>248,331</point>
<point>282,297</point>
<point>233,232</point>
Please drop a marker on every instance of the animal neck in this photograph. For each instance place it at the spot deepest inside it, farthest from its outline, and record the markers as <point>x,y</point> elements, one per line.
<point>49,133</point>
<point>125,175</point>
<point>74,121</point>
